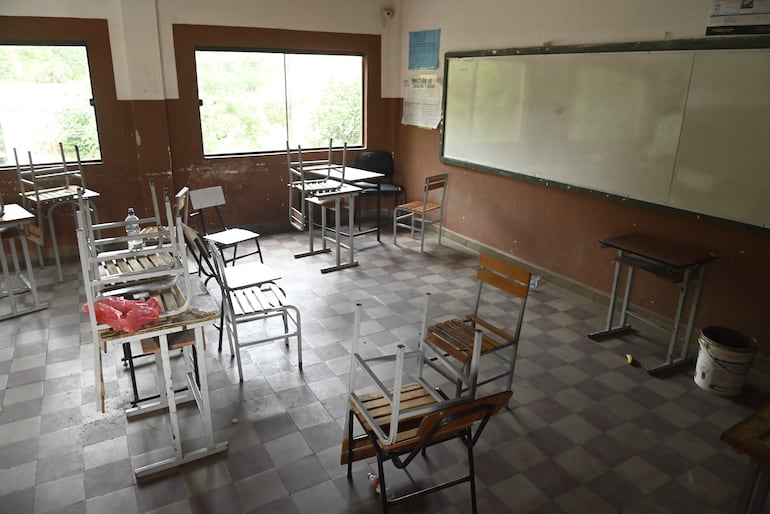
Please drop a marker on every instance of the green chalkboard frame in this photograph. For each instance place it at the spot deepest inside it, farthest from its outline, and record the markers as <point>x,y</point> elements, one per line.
<point>720,43</point>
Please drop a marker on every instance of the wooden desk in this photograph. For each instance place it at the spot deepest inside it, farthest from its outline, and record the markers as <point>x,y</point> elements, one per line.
<point>679,264</point>
<point>321,197</point>
<point>160,331</point>
<point>352,175</point>
<point>752,437</point>
<point>13,223</point>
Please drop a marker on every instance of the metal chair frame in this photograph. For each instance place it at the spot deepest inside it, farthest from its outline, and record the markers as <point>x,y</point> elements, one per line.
<point>416,213</point>
<point>252,299</point>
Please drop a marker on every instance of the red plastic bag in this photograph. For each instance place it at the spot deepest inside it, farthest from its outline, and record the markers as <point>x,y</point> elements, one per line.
<point>126,315</point>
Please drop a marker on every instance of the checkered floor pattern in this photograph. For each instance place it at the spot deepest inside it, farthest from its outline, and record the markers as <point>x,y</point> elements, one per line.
<point>585,432</point>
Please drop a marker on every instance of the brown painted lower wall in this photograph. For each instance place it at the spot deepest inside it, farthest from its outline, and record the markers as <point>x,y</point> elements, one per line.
<point>559,231</point>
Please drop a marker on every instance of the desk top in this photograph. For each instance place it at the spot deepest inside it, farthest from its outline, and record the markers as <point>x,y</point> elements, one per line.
<point>335,172</point>
<point>58,194</point>
<point>752,436</point>
<point>14,213</point>
<point>327,189</point>
<point>667,253</point>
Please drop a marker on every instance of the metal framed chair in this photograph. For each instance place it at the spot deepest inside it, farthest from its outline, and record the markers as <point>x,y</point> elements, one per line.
<point>308,178</point>
<point>45,187</point>
<point>402,421</point>
<point>382,162</point>
<point>249,293</point>
<point>224,238</point>
<point>414,215</point>
<point>459,339</point>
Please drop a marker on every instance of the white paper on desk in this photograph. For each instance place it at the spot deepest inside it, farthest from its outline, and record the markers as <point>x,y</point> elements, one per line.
<point>422,101</point>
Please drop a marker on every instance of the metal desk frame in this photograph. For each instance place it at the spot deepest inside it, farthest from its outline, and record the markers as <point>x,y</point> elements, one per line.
<point>16,217</point>
<point>168,399</point>
<point>672,261</point>
<point>322,198</point>
<point>351,176</point>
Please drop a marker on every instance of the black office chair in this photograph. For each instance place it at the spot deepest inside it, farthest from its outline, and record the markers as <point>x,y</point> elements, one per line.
<point>382,162</point>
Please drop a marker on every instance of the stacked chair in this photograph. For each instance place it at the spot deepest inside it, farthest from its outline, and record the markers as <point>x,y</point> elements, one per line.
<point>45,187</point>
<point>403,415</point>
<point>159,271</point>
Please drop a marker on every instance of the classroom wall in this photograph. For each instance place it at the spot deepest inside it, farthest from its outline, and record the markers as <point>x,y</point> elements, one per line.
<point>140,51</point>
<point>558,231</point>
<point>148,117</point>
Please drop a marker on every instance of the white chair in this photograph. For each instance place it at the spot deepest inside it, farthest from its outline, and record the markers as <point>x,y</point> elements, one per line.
<point>249,293</point>
<point>224,238</point>
<point>414,215</point>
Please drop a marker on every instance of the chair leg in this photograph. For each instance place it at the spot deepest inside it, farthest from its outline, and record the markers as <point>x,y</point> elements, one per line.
<point>440,226</point>
<point>221,324</point>
<point>285,317</point>
<point>237,351</point>
<point>422,234</point>
<point>395,224</point>
<point>512,366</point>
<point>132,372</point>
<point>350,444</point>
<point>471,471</point>
<point>259,251</point>
<point>381,474</point>
<point>298,321</point>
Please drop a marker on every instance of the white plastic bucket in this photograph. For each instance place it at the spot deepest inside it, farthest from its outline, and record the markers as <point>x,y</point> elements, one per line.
<point>724,359</point>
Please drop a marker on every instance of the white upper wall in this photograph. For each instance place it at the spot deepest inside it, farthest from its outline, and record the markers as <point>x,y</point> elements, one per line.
<point>139,54</point>
<point>141,30</point>
<point>497,24</point>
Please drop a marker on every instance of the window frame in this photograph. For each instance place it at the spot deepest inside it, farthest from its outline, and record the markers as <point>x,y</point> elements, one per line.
<point>283,51</point>
<point>92,100</point>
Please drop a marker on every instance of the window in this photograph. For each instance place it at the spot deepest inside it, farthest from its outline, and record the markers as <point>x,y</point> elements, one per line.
<point>256,101</point>
<point>45,99</point>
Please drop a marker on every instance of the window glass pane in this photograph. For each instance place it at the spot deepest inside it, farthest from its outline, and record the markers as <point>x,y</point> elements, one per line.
<point>255,101</point>
<point>244,106</point>
<point>45,94</point>
<point>325,95</point>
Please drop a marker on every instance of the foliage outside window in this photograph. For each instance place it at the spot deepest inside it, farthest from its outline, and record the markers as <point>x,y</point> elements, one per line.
<point>45,99</point>
<point>256,101</point>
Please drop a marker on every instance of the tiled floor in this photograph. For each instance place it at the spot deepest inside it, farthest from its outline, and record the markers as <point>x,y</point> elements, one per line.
<point>586,433</point>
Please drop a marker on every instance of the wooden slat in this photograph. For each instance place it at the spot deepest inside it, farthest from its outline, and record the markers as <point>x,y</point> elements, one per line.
<point>516,285</point>
<point>456,338</point>
<point>416,206</point>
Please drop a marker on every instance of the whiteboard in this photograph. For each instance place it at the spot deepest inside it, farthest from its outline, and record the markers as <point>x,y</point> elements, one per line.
<point>683,129</point>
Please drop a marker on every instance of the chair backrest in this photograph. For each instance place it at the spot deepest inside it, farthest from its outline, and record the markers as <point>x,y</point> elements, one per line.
<point>182,205</point>
<point>506,277</point>
<point>376,160</point>
<point>503,275</point>
<point>199,250</point>
<point>207,197</point>
<point>453,419</point>
<point>434,183</point>
<point>219,266</point>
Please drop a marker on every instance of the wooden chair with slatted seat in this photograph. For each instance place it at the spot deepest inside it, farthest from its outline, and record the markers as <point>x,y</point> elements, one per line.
<point>416,216</point>
<point>402,421</point>
<point>456,338</point>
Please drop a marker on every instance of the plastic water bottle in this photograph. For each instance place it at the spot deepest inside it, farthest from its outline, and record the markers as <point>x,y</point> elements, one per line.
<point>135,241</point>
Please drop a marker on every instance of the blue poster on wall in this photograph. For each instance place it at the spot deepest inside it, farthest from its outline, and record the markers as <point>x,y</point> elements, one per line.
<point>423,49</point>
